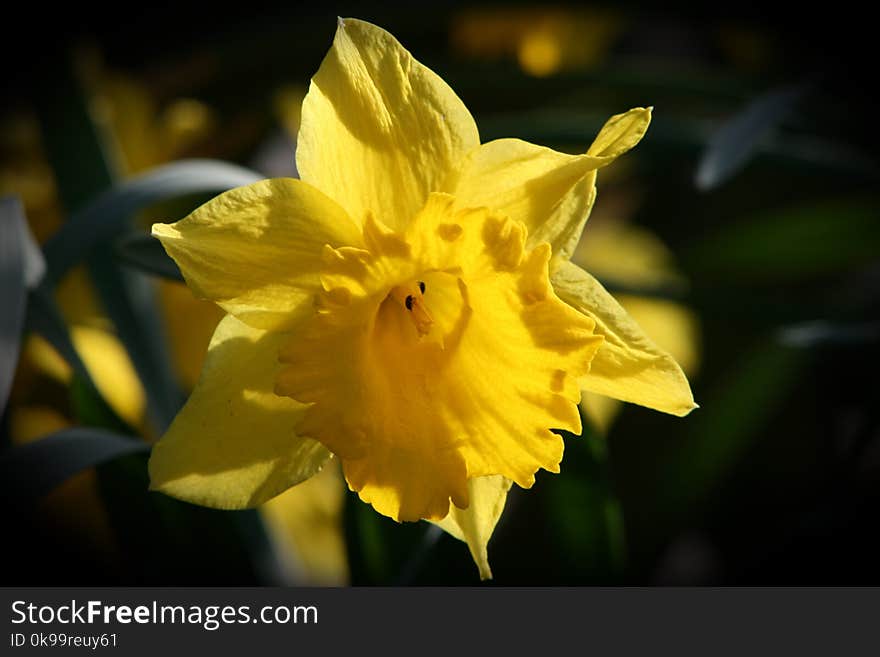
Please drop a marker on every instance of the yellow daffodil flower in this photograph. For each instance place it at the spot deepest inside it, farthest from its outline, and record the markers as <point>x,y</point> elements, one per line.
<point>407,306</point>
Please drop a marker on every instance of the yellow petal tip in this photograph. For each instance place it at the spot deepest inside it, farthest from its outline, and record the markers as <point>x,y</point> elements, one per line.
<point>160,231</point>
<point>687,410</point>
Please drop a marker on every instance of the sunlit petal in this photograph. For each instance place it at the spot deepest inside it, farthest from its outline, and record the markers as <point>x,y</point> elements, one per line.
<point>379,131</point>
<point>552,193</point>
<point>628,366</point>
<point>475,524</point>
<point>256,250</point>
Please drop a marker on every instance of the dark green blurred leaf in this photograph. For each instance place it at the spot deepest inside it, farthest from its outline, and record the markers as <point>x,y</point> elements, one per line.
<point>818,333</point>
<point>737,139</point>
<point>382,552</point>
<point>29,471</point>
<point>368,554</point>
<point>165,541</point>
<point>129,299</point>
<point>584,512</point>
<point>13,290</point>
<point>790,243</point>
<point>422,552</point>
<point>109,215</point>
<point>90,409</point>
<point>731,416</point>
<point>146,253</point>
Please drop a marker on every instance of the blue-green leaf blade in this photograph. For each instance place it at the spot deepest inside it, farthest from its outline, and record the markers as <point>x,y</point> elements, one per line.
<point>109,215</point>
<point>29,471</point>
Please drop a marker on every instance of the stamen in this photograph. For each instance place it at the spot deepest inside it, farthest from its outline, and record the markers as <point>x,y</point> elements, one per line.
<point>411,297</point>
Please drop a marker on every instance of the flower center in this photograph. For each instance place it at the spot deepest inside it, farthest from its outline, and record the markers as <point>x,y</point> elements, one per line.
<point>411,297</point>
<point>416,403</point>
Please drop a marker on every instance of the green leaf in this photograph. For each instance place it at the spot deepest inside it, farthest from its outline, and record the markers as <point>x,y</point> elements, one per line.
<point>806,335</point>
<point>790,243</point>
<point>730,417</point>
<point>585,514</point>
<point>90,409</point>
<point>738,138</point>
<point>27,472</point>
<point>129,299</point>
<point>109,215</point>
<point>366,541</point>
<point>382,552</point>
<point>13,291</point>
<point>147,254</point>
<point>164,541</point>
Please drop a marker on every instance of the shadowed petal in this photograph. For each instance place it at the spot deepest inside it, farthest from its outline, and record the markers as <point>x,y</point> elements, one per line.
<point>233,446</point>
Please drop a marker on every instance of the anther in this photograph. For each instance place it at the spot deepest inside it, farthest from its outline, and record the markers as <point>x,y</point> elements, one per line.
<point>410,297</point>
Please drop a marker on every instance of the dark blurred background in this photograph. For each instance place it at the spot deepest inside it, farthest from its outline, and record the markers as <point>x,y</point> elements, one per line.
<point>755,196</point>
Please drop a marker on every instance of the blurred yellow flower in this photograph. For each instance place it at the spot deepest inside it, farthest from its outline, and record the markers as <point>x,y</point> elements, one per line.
<point>306,523</point>
<point>408,306</point>
<point>543,40</point>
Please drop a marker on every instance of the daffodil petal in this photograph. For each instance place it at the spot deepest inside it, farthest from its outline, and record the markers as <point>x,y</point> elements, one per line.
<point>673,326</point>
<point>379,130</point>
<point>233,445</point>
<point>628,365</point>
<point>552,193</point>
<point>620,133</point>
<point>256,250</point>
<point>475,524</point>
